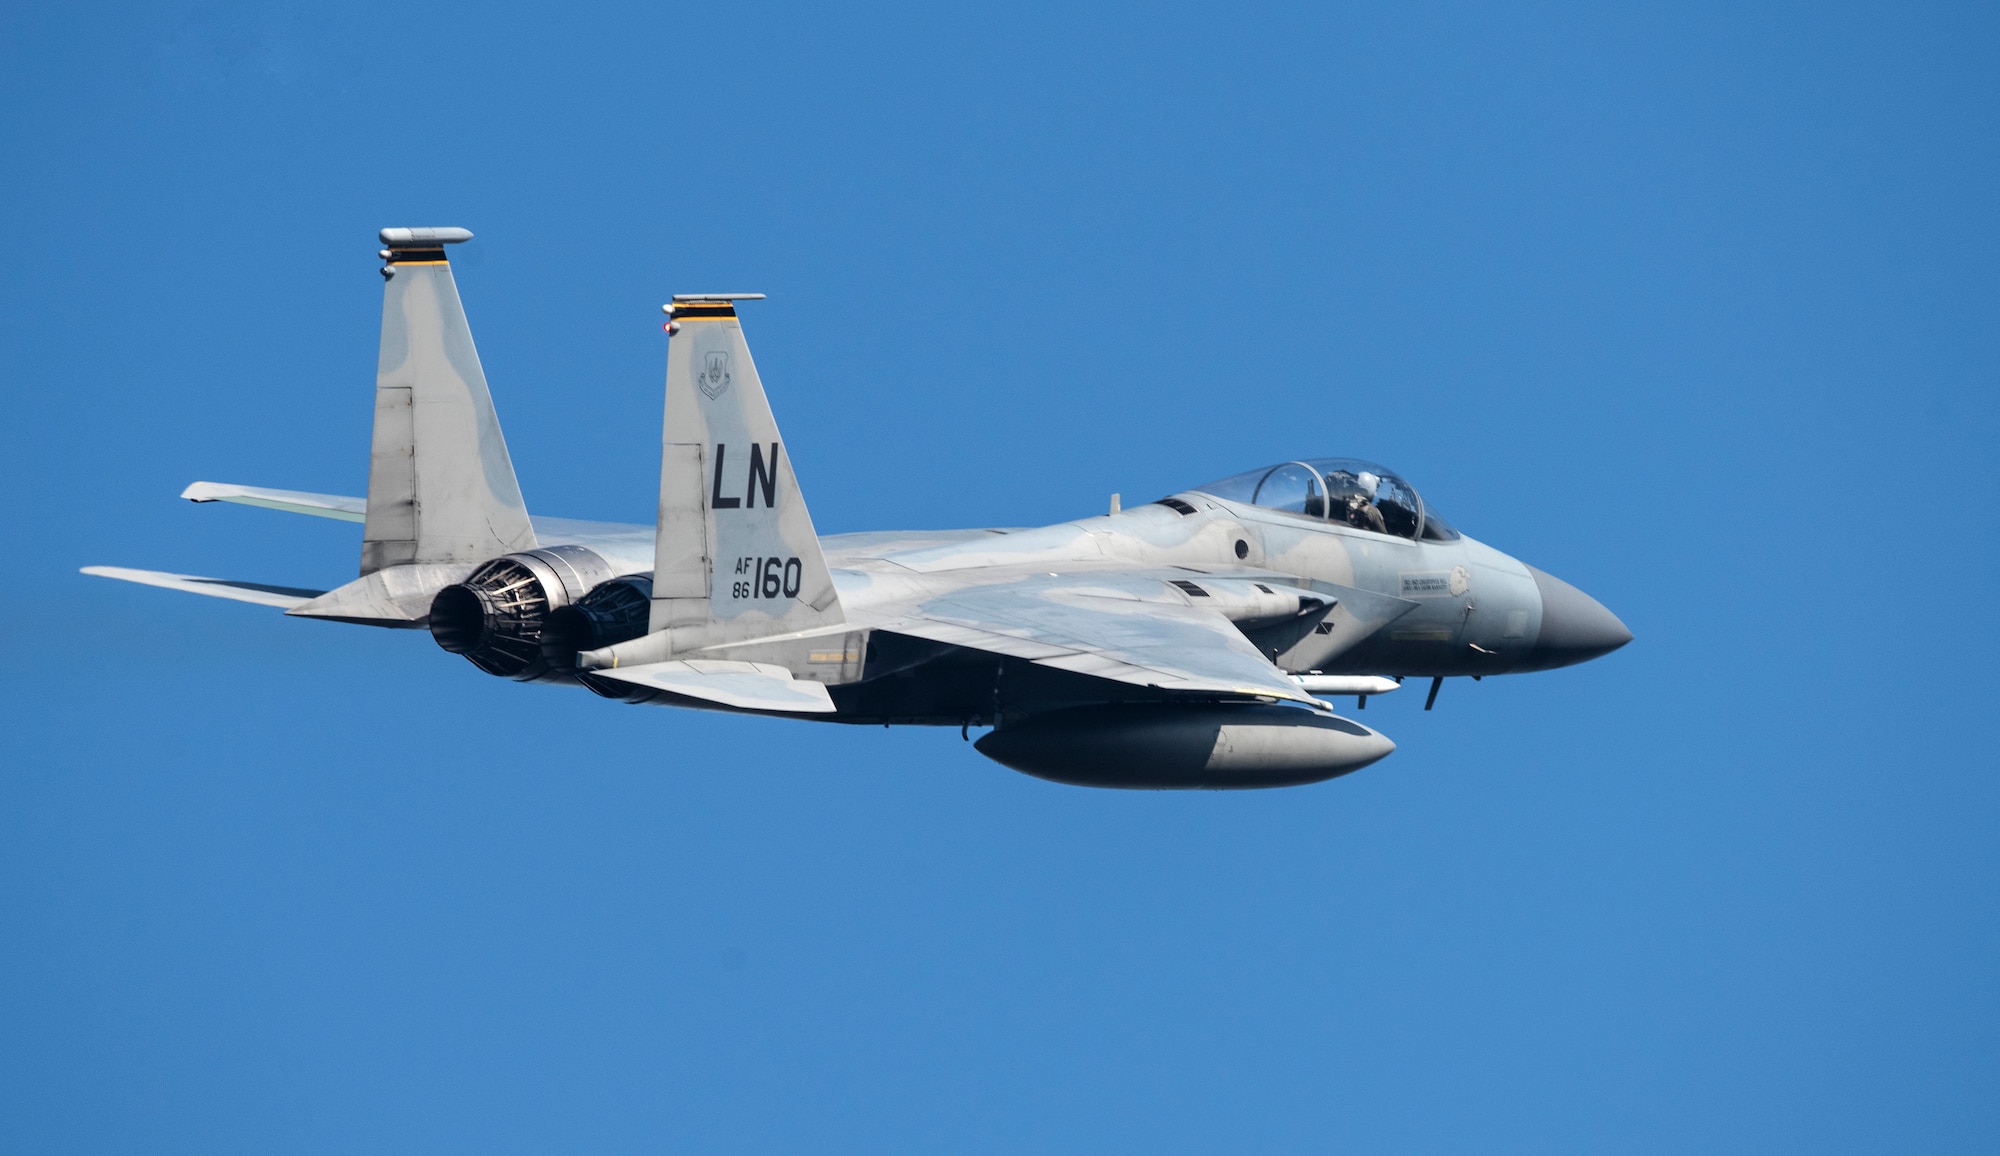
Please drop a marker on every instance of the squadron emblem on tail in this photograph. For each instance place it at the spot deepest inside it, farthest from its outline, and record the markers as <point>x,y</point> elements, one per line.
<point>714,376</point>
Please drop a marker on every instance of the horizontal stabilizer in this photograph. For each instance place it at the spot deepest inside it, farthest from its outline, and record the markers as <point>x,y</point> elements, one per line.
<point>744,685</point>
<point>339,506</point>
<point>282,597</point>
<point>557,531</point>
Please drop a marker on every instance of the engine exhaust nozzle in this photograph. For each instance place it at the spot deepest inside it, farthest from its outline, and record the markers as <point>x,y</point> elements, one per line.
<point>496,616</point>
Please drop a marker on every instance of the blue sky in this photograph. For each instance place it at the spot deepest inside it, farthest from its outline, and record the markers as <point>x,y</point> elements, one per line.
<point>1691,305</point>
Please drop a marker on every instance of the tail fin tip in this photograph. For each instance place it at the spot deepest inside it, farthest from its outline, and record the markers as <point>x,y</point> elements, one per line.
<point>425,237</point>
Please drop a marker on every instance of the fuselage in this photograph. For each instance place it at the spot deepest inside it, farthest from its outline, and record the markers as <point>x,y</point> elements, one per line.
<point>1454,608</point>
<point>1399,607</point>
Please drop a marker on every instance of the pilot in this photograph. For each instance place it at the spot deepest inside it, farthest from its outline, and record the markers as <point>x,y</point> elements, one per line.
<point>1361,511</point>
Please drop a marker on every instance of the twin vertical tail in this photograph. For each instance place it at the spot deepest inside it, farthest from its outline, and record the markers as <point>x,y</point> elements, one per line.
<point>735,555</point>
<point>442,496</point>
<point>441,487</point>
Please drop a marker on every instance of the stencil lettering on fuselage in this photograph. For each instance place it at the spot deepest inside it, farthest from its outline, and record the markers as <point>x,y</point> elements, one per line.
<point>1435,583</point>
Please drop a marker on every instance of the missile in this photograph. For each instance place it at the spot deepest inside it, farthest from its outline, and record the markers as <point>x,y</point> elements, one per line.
<point>1363,684</point>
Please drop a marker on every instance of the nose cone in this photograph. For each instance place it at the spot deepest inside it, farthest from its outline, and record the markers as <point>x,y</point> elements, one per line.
<point>1575,627</point>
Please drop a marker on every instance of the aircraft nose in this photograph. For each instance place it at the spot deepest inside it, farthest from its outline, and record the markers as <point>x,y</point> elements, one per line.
<point>1575,627</point>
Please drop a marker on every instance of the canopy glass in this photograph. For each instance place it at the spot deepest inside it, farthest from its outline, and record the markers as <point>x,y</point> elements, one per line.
<point>1350,492</point>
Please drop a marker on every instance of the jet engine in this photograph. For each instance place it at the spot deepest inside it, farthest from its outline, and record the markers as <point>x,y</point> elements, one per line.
<point>495,617</point>
<point>1165,746</point>
<point>613,612</point>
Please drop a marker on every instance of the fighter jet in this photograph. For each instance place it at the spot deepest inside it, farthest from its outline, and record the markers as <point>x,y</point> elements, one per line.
<point>1191,642</point>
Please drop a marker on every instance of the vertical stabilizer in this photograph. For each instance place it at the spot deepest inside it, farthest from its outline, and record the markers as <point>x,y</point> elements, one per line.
<point>441,487</point>
<point>735,558</point>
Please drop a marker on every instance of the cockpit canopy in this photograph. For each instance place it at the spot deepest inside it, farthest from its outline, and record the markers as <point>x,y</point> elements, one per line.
<point>1343,490</point>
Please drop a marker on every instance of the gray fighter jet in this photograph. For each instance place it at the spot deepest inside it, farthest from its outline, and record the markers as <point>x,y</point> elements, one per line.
<point>1189,642</point>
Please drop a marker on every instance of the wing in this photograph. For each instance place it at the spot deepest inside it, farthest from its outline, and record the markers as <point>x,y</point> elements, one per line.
<point>282,597</point>
<point>1109,627</point>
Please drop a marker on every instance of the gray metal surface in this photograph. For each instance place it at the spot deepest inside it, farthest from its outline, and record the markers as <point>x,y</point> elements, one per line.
<point>259,593</point>
<point>1181,747</point>
<point>335,506</point>
<point>735,555</point>
<point>1127,628</point>
<point>749,686</point>
<point>441,487</point>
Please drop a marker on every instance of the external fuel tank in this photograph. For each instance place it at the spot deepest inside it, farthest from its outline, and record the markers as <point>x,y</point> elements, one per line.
<point>1184,747</point>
